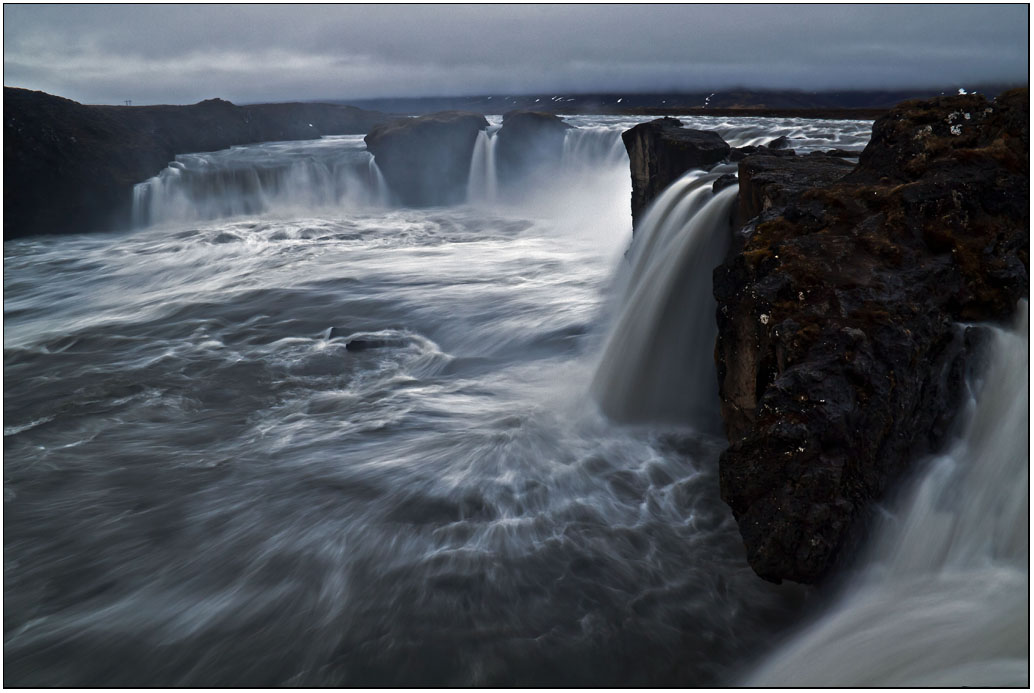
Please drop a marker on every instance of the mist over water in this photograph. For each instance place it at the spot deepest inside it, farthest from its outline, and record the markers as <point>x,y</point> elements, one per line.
<point>289,433</point>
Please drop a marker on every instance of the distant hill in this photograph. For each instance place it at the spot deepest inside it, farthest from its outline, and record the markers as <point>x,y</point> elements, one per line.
<point>658,102</point>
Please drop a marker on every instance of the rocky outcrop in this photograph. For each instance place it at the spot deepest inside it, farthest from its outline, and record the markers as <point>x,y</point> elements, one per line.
<point>770,182</point>
<point>426,160</point>
<point>528,141</point>
<point>842,347</point>
<point>660,151</point>
<point>71,168</point>
<point>741,153</point>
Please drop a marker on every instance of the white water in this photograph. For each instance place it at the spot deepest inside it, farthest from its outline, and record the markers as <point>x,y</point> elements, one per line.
<point>286,434</point>
<point>943,597</point>
<point>658,362</point>
<point>483,186</point>
<point>289,177</point>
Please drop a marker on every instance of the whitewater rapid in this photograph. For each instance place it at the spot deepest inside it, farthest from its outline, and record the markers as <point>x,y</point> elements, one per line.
<point>289,433</point>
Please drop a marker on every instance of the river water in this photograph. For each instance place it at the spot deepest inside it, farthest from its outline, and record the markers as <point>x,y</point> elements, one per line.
<point>287,432</point>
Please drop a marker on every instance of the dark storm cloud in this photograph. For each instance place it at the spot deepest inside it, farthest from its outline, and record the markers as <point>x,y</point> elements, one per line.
<point>178,54</point>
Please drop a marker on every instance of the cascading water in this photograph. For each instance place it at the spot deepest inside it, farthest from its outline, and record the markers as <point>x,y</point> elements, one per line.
<point>658,363</point>
<point>593,146</point>
<point>483,185</point>
<point>381,192</point>
<point>943,597</point>
<point>293,437</point>
<point>333,172</point>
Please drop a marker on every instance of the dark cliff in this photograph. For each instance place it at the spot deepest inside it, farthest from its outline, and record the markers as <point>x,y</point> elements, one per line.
<point>841,348</point>
<point>660,151</point>
<point>530,142</point>
<point>426,160</point>
<point>71,168</point>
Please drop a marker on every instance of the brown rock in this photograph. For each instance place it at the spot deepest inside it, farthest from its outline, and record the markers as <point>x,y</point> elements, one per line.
<point>840,352</point>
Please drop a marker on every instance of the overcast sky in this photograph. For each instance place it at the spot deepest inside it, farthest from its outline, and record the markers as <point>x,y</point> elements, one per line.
<point>182,54</point>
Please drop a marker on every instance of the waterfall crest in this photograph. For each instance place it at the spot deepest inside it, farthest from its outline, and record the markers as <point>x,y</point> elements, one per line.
<point>943,600</point>
<point>592,146</point>
<point>327,173</point>
<point>658,363</point>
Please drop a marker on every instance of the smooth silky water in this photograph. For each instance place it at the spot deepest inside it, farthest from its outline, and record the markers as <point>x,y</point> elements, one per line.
<point>287,432</point>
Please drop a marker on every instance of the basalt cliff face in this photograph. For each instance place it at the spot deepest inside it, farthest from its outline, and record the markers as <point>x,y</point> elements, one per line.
<point>841,341</point>
<point>71,168</point>
<point>845,310</point>
<point>426,160</point>
<point>660,151</point>
<point>530,142</point>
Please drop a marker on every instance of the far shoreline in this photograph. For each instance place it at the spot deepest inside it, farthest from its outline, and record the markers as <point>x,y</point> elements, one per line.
<point>811,113</point>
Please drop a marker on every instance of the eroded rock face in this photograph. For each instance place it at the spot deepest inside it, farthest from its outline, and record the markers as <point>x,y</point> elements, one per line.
<point>71,168</point>
<point>426,160</point>
<point>660,151</point>
<point>529,142</point>
<point>840,352</point>
<point>770,182</point>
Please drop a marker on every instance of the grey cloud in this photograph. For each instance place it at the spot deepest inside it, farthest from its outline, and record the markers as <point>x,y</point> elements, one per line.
<point>174,53</point>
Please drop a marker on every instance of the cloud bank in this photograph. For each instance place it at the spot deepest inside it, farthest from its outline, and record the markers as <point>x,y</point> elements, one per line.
<point>249,53</point>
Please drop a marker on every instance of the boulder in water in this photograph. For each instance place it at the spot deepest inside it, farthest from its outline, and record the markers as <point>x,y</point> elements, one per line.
<point>660,151</point>
<point>426,160</point>
<point>841,346</point>
<point>528,141</point>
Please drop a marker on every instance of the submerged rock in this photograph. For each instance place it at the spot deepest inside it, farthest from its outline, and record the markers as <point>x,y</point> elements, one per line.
<point>71,168</point>
<point>528,141</point>
<point>841,346</point>
<point>660,151</point>
<point>426,160</point>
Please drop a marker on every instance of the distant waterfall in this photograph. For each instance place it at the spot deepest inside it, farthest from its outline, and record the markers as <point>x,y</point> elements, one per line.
<point>658,363</point>
<point>326,173</point>
<point>381,191</point>
<point>483,184</point>
<point>590,146</point>
<point>943,600</point>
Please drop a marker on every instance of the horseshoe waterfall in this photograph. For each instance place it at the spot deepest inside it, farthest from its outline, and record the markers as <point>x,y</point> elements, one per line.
<point>316,420</point>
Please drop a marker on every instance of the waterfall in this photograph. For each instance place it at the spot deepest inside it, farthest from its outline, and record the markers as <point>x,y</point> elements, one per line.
<point>943,599</point>
<point>658,362</point>
<point>593,146</point>
<point>483,184</point>
<point>381,191</point>
<point>276,176</point>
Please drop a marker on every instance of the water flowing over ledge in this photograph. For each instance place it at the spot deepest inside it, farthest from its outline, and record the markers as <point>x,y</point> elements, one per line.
<point>295,433</point>
<point>942,599</point>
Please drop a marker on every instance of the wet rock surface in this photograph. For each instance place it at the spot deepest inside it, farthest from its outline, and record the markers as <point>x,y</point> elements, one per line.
<point>426,160</point>
<point>660,151</point>
<point>71,168</point>
<point>842,338</point>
